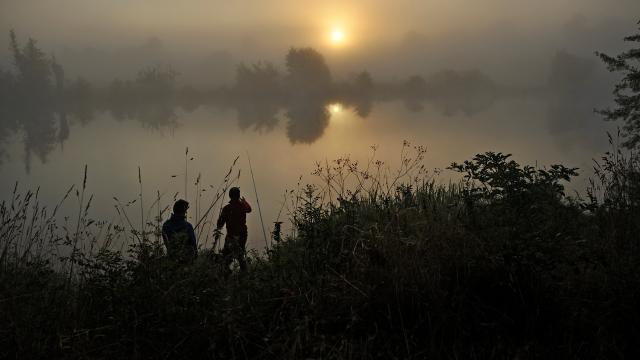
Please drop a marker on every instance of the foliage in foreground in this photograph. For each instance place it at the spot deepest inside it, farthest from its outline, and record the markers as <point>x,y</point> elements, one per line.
<point>382,265</point>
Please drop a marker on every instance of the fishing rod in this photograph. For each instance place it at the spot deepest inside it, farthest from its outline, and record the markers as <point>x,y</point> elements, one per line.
<point>264,233</point>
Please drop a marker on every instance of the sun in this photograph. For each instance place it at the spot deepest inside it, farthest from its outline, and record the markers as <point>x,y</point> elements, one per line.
<point>335,108</point>
<point>337,36</point>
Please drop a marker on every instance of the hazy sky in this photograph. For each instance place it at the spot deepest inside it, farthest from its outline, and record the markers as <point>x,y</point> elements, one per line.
<point>377,32</point>
<point>369,19</point>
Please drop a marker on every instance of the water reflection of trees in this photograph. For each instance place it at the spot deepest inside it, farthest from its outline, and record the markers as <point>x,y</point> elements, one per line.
<point>149,99</point>
<point>31,102</point>
<point>36,99</point>
<point>306,88</point>
<point>256,96</point>
<point>307,121</point>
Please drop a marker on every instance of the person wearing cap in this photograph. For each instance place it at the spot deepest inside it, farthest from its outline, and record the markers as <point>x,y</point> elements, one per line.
<point>234,215</point>
<point>178,235</point>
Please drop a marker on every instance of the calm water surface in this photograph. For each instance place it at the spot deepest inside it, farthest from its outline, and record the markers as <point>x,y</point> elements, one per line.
<point>531,128</point>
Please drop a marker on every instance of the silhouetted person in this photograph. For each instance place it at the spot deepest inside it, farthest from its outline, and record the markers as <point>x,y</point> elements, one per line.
<point>178,235</point>
<point>234,215</point>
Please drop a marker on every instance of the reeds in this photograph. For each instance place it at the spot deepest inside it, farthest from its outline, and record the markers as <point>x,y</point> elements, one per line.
<point>423,269</point>
<point>255,189</point>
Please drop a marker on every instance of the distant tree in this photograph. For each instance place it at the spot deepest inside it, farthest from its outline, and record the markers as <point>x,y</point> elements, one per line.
<point>627,92</point>
<point>189,99</point>
<point>58,75</point>
<point>156,83</point>
<point>363,82</point>
<point>307,72</point>
<point>7,83</point>
<point>257,88</point>
<point>121,99</point>
<point>453,83</point>
<point>79,99</point>
<point>415,86</point>
<point>362,96</point>
<point>7,99</point>
<point>468,91</point>
<point>33,69</point>
<point>259,79</point>
<point>414,90</point>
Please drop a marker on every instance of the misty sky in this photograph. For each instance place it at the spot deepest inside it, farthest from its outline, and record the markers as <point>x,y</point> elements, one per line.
<point>512,40</point>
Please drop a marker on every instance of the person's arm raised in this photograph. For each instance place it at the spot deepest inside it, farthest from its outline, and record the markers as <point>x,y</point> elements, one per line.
<point>247,207</point>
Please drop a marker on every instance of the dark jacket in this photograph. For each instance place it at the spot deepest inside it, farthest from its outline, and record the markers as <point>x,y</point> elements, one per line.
<point>179,237</point>
<point>234,214</point>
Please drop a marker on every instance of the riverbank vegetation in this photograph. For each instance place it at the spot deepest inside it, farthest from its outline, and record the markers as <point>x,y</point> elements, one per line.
<point>381,264</point>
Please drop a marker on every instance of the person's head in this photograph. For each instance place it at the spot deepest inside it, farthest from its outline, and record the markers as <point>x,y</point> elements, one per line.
<point>180,207</point>
<point>234,193</point>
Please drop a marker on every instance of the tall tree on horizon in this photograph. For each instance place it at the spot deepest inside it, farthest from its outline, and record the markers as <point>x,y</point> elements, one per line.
<point>33,70</point>
<point>307,72</point>
<point>626,92</point>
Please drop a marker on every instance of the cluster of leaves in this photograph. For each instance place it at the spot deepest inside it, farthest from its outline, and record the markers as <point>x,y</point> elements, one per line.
<point>504,179</point>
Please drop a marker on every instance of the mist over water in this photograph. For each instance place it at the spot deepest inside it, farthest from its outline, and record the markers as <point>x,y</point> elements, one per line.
<point>491,78</point>
<point>282,150</point>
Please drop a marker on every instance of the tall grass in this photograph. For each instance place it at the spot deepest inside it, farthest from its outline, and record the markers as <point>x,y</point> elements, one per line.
<point>382,263</point>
